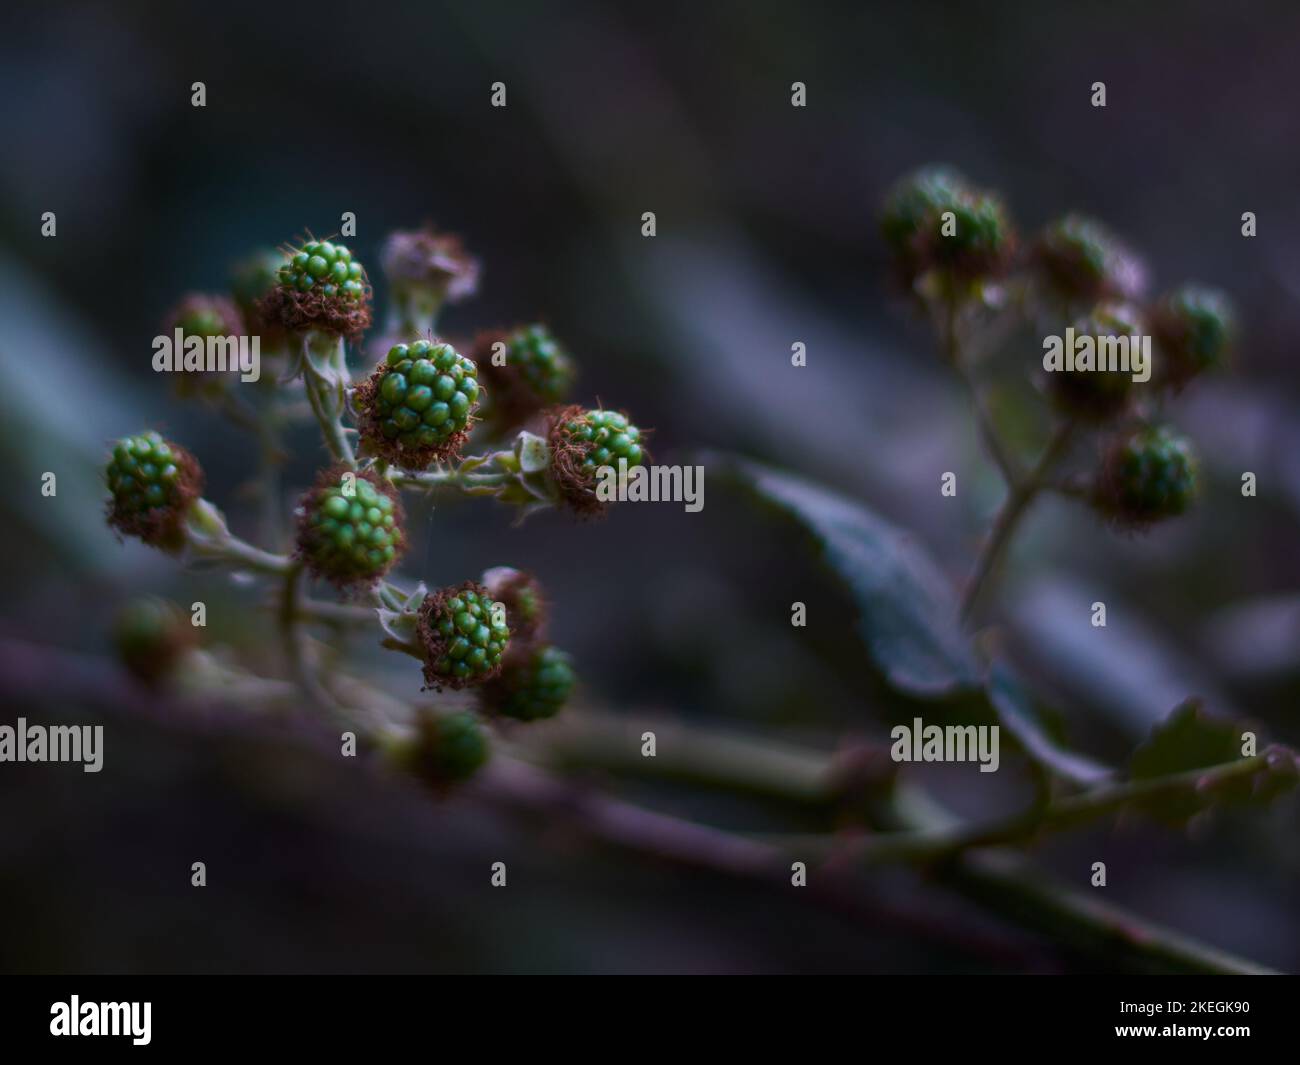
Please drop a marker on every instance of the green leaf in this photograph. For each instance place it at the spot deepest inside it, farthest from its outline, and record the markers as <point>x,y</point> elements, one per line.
<point>1190,739</point>
<point>908,615</point>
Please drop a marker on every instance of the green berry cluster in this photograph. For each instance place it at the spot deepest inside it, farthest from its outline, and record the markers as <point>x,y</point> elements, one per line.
<point>1081,260</point>
<point>1090,394</point>
<point>151,636</point>
<point>416,407</point>
<point>534,687</point>
<point>581,441</point>
<point>447,749</point>
<point>151,482</point>
<point>978,238</point>
<point>328,268</point>
<point>1194,330</point>
<point>605,436</point>
<point>1147,475</point>
<point>536,360</point>
<point>524,602</point>
<point>254,277</point>
<point>350,527</point>
<point>202,315</point>
<point>463,637</point>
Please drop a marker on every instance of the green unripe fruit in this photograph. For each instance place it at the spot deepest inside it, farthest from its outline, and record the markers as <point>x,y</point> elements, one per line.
<point>418,404</point>
<point>934,219</point>
<point>1147,475</point>
<point>350,527</point>
<point>151,636</point>
<point>464,634</point>
<point>202,315</point>
<point>1097,395</point>
<point>523,598</point>
<point>583,441</point>
<point>1194,331</point>
<point>318,287</point>
<point>447,749</point>
<point>152,484</point>
<point>526,368</point>
<point>532,688</point>
<point>1082,262</point>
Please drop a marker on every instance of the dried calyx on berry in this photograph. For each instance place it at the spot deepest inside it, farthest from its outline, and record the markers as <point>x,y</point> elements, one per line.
<point>1095,395</point>
<point>151,637</point>
<point>446,749</point>
<point>526,368</point>
<point>581,442</point>
<point>319,287</point>
<point>934,220</point>
<point>1081,262</point>
<point>1147,474</point>
<point>350,527</point>
<point>521,593</point>
<point>152,483</point>
<point>1194,330</point>
<point>464,635</point>
<point>426,269</point>
<point>417,407</point>
<point>533,686</point>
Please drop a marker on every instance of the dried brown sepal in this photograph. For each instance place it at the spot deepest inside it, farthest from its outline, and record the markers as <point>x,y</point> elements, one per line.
<point>435,646</point>
<point>302,312</point>
<point>163,527</point>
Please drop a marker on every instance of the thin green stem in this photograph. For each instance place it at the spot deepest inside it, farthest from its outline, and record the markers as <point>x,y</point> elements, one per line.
<point>326,391</point>
<point>1019,497</point>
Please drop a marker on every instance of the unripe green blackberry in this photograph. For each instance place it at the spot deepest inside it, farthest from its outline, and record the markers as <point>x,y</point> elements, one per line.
<point>981,239</point>
<point>152,484</point>
<point>533,687</point>
<point>447,749</point>
<point>417,407</point>
<point>202,315</point>
<point>1146,475</point>
<point>1097,395</point>
<point>1082,262</point>
<point>251,282</point>
<point>521,593</point>
<point>350,527</point>
<point>581,442</point>
<point>465,635</point>
<point>319,287</point>
<point>151,636</point>
<point>537,372</point>
<point>1194,331</point>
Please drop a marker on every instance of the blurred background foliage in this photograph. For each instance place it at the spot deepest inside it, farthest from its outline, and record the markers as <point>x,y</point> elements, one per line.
<point>767,235</point>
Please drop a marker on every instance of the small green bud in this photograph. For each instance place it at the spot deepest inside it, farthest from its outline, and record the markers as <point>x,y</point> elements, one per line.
<point>1147,475</point>
<point>977,240</point>
<point>524,602</point>
<point>151,636</point>
<point>1082,262</point>
<point>534,687</point>
<point>537,372</point>
<point>1195,329</point>
<point>152,483</point>
<point>350,527</point>
<point>447,749</point>
<point>1097,395</point>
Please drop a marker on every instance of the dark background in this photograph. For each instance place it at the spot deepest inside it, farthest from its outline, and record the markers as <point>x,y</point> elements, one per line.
<point>767,234</point>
